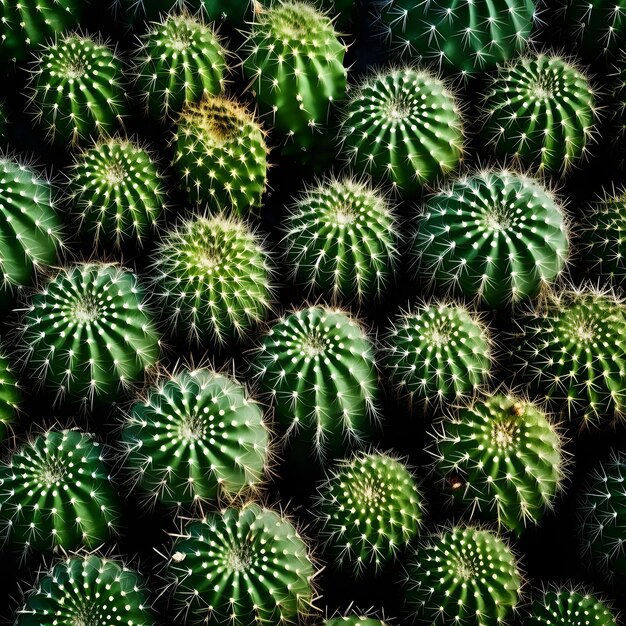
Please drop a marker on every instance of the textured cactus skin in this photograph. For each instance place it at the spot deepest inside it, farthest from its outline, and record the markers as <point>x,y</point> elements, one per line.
<point>196,437</point>
<point>342,241</point>
<point>77,90</point>
<point>88,590</point>
<point>117,193</point>
<point>437,353</point>
<point>179,61</point>
<point>496,236</point>
<point>56,492</point>
<point>221,155</point>
<point>10,396</point>
<point>212,277</point>
<point>403,126</point>
<point>501,458</point>
<point>463,576</point>
<point>317,368</point>
<point>369,509</point>
<point>460,36</point>
<point>241,567</point>
<point>354,620</point>
<point>541,110</point>
<point>88,334</point>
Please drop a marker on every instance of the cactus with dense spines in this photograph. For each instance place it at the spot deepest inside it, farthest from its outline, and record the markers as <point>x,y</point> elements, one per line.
<point>317,367</point>
<point>87,335</point>
<point>89,589</point>
<point>77,90</point>
<point>341,240</point>
<point>496,236</point>
<point>368,510</point>
<point>212,277</point>
<point>463,37</point>
<point>194,438</point>
<point>403,126</point>
<point>239,567</point>
<point>221,155</point>
<point>10,396</point>
<point>501,458</point>
<point>180,60</point>
<point>56,492</point>
<point>542,111</point>
<point>438,353</point>
<point>354,620</point>
<point>463,576</point>
<point>117,193</point>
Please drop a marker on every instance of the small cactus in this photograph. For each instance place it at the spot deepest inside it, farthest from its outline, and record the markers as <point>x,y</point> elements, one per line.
<point>10,396</point>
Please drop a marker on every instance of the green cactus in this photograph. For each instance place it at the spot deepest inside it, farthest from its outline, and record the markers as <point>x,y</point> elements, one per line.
<point>56,492</point>
<point>317,368</point>
<point>212,277</point>
<point>89,589</point>
<point>438,353</point>
<point>463,576</point>
<point>354,620</point>
<point>194,438</point>
<point>87,335</point>
<point>502,459</point>
<point>117,193</point>
<point>541,110</point>
<point>341,240</point>
<point>221,155</point>
<point>369,509</point>
<point>10,396</point>
<point>496,236</point>
<point>239,567</point>
<point>403,126</point>
<point>77,90</point>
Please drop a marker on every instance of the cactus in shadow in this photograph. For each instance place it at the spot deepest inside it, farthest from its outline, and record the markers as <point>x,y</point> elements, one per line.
<point>10,396</point>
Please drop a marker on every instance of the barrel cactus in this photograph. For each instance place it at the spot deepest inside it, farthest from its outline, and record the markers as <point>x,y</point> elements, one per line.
<point>402,126</point>
<point>496,236</point>
<point>239,567</point>
<point>10,396</point>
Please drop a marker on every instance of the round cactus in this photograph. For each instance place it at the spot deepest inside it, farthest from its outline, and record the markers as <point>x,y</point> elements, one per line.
<point>117,193</point>
<point>341,240</point>
<point>56,492</point>
<point>463,576</point>
<point>317,368</point>
<point>212,277</point>
<point>77,91</point>
<point>496,236</point>
<point>88,590</point>
<point>403,126</point>
<point>354,620</point>
<point>501,458</point>
<point>10,396</point>
<point>196,437</point>
<point>87,334</point>
<point>221,155</point>
<point>438,353</point>
<point>240,567</point>
<point>180,60</point>
<point>541,110</point>
<point>369,509</point>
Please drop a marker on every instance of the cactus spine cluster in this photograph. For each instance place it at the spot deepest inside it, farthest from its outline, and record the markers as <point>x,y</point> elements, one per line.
<point>10,396</point>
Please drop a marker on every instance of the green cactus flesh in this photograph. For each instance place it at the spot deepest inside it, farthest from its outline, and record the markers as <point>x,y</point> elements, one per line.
<point>496,236</point>
<point>10,396</point>
<point>354,620</point>
<point>568,607</point>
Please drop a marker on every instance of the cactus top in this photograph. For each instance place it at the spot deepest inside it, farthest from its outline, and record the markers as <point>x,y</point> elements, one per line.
<point>569,607</point>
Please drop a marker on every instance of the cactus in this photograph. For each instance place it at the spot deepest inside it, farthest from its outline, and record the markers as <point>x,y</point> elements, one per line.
<point>117,193</point>
<point>403,126</point>
<point>56,493</point>
<point>463,576</point>
<point>240,567</point>
<point>342,241</point>
<point>10,396</point>
<point>354,620</point>
<point>501,458</point>
<point>88,590</point>
<point>317,367</point>
<point>179,61</point>
<point>221,155</point>
<point>196,437</point>
<point>462,37</point>
<point>369,509</point>
<point>77,91</point>
<point>541,109</point>
<point>496,236</point>
<point>438,353</point>
<point>87,334</point>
